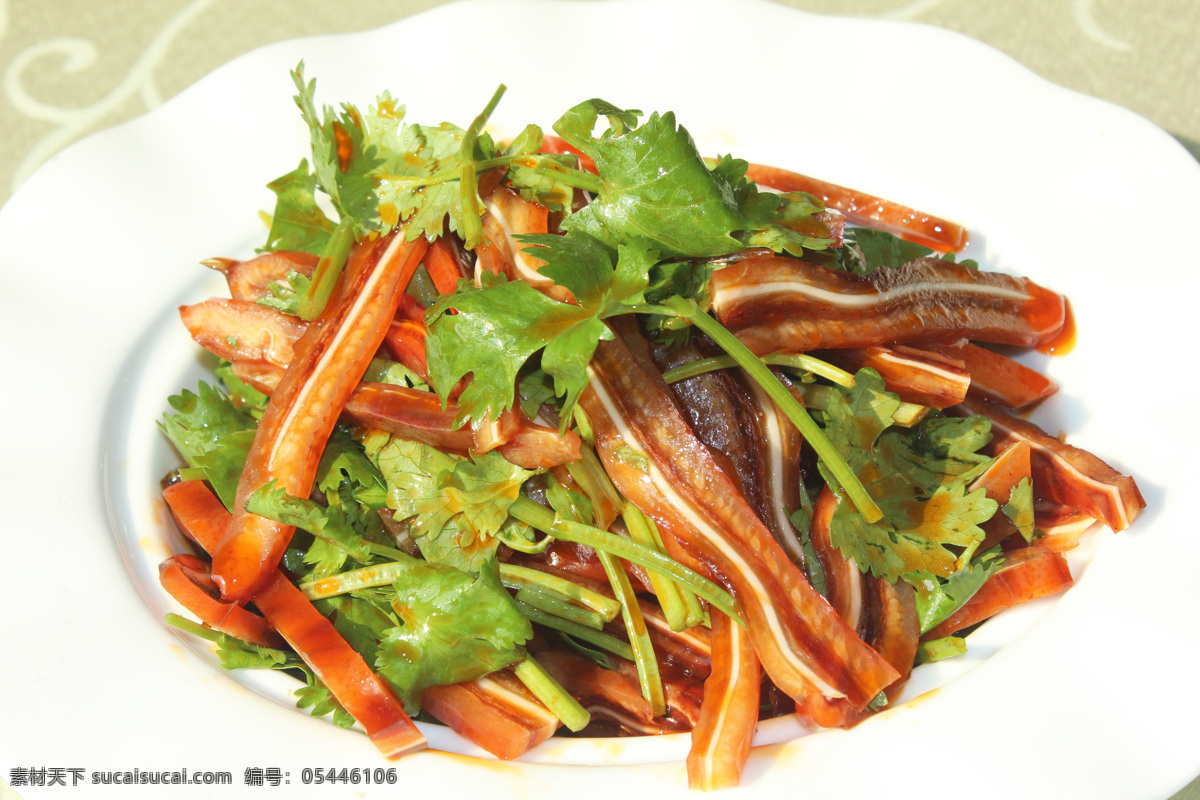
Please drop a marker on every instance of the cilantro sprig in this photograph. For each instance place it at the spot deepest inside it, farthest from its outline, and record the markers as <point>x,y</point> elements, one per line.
<point>930,518</point>
<point>656,186</point>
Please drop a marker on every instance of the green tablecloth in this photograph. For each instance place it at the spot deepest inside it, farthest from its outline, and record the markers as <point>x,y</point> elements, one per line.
<point>72,67</point>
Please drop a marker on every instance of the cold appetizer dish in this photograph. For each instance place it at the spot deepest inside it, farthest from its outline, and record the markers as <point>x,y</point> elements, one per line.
<point>589,435</point>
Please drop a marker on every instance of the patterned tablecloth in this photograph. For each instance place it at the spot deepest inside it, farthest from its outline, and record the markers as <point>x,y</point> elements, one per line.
<point>72,67</point>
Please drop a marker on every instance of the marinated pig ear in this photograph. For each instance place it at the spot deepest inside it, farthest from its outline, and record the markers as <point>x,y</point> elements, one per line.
<point>331,357</point>
<point>999,481</point>
<point>260,343</point>
<point>922,376</point>
<point>867,210</point>
<point>608,693</point>
<point>186,578</point>
<point>774,303</point>
<point>252,279</point>
<point>724,732</point>
<point>1027,574</point>
<point>508,217</point>
<point>242,331</point>
<point>750,438</point>
<point>799,638</point>
<point>446,263</point>
<point>355,685</point>
<point>495,712</point>
<point>997,378</point>
<point>1063,473</point>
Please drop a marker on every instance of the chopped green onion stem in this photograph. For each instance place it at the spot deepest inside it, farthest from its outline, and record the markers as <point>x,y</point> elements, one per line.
<point>604,641</point>
<point>515,577</point>
<point>793,361</point>
<point>472,227</point>
<point>639,637</point>
<point>552,694</point>
<point>356,579</point>
<point>329,268</point>
<point>937,649</point>
<point>545,520</point>
<point>670,596</point>
<point>559,605</point>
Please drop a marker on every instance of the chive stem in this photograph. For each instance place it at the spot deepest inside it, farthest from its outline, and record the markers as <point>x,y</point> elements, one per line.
<point>793,361</point>
<point>552,602</point>
<point>670,596</point>
<point>516,577</point>
<point>472,225</point>
<point>604,641</point>
<point>329,269</point>
<point>639,637</point>
<point>544,687</point>
<point>545,520</point>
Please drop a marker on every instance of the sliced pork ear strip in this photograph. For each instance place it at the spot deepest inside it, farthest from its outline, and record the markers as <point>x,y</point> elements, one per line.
<point>756,445</point>
<point>775,303</point>
<point>657,462</point>
<point>1063,473</point>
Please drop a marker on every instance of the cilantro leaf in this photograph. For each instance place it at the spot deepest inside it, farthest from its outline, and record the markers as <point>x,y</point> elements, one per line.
<point>235,653</point>
<point>361,618</point>
<point>540,177</point>
<point>381,370</point>
<point>456,627</point>
<point>316,697</point>
<point>457,505</point>
<point>380,172</point>
<point>298,223</point>
<point>329,134</point>
<point>1019,508</point>
<point>332,525</point>
<point>535,388</point>
<point>497,329</point>
<point>287,294</point>
<point>241,394</point>
<point>212,435</point>
<point>344,463</point>
<point>499,326</point>
<point>865,249</point>
<point>567,503</point>
<point>938,598</point>
<point>656,186</point>
<point>919,479</point>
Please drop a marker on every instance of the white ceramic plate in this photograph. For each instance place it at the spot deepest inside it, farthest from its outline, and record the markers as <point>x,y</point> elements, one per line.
<point>1088,695</point>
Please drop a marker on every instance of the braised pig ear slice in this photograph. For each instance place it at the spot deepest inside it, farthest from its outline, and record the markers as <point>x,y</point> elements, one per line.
<point>882,612</point>
<point>203,518</point>
<point>867,210</point>
<point>657,462</point>
<point>243,331</point>
<point>997,378</point>
<point>331,357</point>
<point>776,303</point>
<point>251,279</point>
<point>724,732</point>
<point>749,436</point>
<point>259,342</point>
<point>924,377</point>
<point>1063,473</point>
<point>495,712</point>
